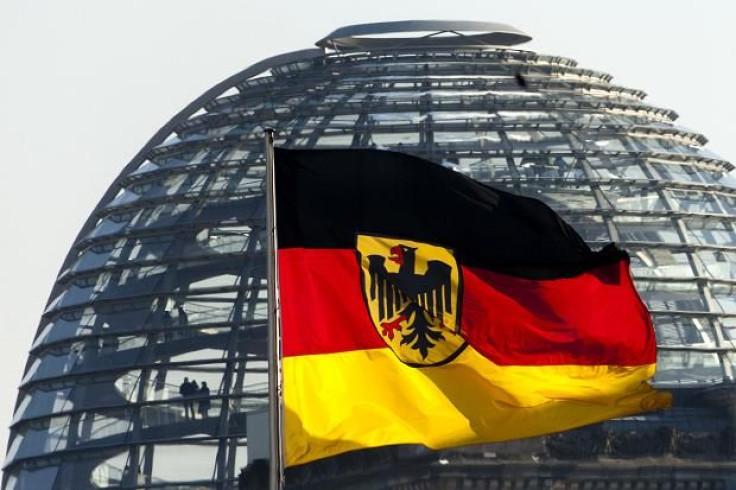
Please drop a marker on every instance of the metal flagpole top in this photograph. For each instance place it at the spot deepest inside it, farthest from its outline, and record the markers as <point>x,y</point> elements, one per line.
<point>275,395</point>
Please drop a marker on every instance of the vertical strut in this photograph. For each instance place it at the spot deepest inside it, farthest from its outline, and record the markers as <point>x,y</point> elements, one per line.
<point>275,410</point>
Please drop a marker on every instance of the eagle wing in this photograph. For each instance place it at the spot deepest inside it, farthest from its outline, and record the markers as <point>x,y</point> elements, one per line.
<point>434,289</point>
<point>431,290</point>
<point>382,288</point>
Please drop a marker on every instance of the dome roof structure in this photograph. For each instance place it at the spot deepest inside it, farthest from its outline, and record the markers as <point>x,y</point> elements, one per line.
<point>166,280</point>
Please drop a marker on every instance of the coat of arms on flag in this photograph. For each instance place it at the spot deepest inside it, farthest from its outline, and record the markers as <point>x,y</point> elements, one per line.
<point>411,291</point>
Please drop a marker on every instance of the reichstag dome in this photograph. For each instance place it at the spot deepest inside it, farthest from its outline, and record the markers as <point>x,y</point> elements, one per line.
<point>166,281</point>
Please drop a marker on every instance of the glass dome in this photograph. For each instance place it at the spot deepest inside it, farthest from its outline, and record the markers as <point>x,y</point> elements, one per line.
<point>167,278</point>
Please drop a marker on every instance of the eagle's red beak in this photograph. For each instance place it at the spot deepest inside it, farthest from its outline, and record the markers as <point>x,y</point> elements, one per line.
<point>397,255</point>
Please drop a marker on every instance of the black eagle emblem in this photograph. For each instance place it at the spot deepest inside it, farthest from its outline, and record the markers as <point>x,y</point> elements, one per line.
<point>422,300</point>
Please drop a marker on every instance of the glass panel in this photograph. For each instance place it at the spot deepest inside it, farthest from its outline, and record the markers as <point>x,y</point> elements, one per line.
<point>346,120</point>
<point>208,308</point>
<point>597,143</point>
<point>227,239</point>
<point>728,325</point>
<point>108,226</point>
<point>383,139</point>
<point>561,196</point>
<point>728,202</point>
<point>684,331</point>
<point>569,167</point>
<point>140,280</point>
<point>45,436</point>
<point>201,409</point>
<point>145,167</point>
<point>200,466</point>
<point>653,143</point>
<point>617,168</point>
<point>671,296</point>
<point>632,198</point>
<point>162,215</point>
<point>710,232</point>
<point>43,478</point>
<point>84,290</point>
<point>242,180</point>
<point>178,161</point>
<point>109,474</point>
<point>94,258</point>
<point>241,451</point>
<point>487,169</point>
<point>536,140</point>
<point>150,248</point>
<point>591,228</point>
<point>124,196</point>
<point>219,281</point>
<point>109,427</point>
<point>695,201</point>
<point>524,116</point>
<point>83,358</point>
<point>31,370</point>
<point>339,140</point>
<point>485,138</point>
<point>166,383</point>
<point>475,118</point>
<point>719,177</point>
<point>67,325</point>
<point>118,318</point>
<point>686,367</point>
<point>544,166</point>
<point>725,296</point>
<point>183,345</point>
<point>660,262</point>
<point>678,173</point>
<point>646,229</point>
<point>719,264</point>
<point>42,402</point>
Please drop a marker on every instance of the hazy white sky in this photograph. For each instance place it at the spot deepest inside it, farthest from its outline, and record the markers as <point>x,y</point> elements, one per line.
<point>85,83</point>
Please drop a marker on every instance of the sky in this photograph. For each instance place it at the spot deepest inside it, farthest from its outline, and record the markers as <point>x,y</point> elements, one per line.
<point>85,83</point>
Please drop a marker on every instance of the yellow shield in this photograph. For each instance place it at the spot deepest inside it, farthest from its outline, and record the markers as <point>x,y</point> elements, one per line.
<point>411,290</point>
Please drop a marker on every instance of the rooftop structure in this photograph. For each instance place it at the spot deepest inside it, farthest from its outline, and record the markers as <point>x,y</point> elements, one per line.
<point>422,34</point>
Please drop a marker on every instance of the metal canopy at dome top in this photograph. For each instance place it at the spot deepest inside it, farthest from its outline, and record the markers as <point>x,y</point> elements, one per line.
<point>433,33</point>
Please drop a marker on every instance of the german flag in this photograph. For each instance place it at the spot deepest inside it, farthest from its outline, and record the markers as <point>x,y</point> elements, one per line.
<point>421,307</point>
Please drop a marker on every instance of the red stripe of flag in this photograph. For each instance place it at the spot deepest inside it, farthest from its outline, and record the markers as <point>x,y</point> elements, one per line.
<point>595,318</point>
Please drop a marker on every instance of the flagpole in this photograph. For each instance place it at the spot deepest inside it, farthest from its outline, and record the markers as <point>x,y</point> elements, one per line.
<point>276,466</point>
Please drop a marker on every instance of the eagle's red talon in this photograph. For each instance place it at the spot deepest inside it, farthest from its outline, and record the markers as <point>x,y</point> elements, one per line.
<point>388,328</point>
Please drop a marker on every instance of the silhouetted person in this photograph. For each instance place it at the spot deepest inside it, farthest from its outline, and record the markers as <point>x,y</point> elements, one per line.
<point>182,318</point>
<point>187,390</point>
<point>160,380</point>
<point>204,400</point>
<point>167,321</point>
<point>192,394</point>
